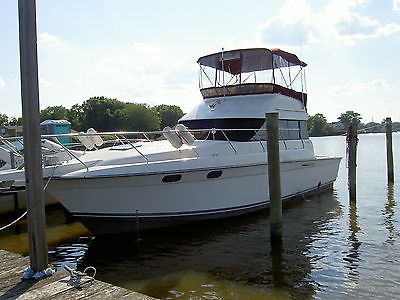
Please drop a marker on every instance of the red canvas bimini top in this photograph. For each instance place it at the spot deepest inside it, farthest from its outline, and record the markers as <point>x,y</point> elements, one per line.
<point>250,60</point>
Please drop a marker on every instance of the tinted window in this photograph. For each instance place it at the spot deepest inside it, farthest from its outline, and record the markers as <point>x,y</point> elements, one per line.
<point>214,174</point>
<point>303,130</point>
<point>294,130</point>
<point>172,178</point>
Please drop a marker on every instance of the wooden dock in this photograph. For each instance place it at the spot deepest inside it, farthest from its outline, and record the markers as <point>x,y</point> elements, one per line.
<point>57,286</point>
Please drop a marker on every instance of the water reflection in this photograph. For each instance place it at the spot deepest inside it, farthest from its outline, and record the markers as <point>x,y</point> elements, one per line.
<point>217,260</point>
<point>353,255</point>
<point>60,229</point>
<point>388,214</point>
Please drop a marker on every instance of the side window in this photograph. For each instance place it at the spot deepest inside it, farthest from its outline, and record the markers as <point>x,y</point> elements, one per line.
<point>283,130</point>
<point>294,130</point>
<point>303,130</point>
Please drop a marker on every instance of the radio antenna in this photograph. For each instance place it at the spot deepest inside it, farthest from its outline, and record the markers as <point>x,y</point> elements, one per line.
<point>223,72</point>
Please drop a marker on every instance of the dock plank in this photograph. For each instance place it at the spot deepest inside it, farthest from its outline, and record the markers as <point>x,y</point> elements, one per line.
<point>57,286</point>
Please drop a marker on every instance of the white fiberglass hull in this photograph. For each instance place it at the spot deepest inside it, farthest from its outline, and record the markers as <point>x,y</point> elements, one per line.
<point>118,204</point>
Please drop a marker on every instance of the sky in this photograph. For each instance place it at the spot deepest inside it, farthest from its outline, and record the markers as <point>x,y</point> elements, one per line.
<point>146,51</point>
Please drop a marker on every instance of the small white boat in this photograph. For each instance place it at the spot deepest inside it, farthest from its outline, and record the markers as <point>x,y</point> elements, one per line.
<point>214,164</point>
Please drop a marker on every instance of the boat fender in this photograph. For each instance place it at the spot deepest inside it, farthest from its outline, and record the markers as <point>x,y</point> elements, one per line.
<point>97,140</point>
<point>186,137</point>
<point>86,140</point>
<point>172,137</point>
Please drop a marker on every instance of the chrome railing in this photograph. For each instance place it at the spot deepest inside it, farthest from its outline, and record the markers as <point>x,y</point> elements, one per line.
<point>131,137</point>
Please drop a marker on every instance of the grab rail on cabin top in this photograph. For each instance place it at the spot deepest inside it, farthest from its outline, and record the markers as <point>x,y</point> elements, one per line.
<point>125,140</point>
<point>71,153</point>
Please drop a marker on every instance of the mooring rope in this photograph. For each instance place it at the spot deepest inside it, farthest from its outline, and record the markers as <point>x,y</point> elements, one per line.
<point>13,222</point>
<point>76,275</point>
<point>24,214</point>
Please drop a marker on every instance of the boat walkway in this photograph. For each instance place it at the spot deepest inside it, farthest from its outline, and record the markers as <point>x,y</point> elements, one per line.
<point>57,286</point>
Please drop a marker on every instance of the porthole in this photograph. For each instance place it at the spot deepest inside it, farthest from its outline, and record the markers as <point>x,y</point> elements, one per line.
<point>172,178</point>
<point>214,174</point>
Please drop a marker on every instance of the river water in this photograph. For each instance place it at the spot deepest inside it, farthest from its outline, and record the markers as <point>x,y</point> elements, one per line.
<point>331,249</point>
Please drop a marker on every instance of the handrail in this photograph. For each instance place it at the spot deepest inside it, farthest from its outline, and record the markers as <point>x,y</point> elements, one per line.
<point>229,141</point>
<point>144,156</point>
<point>121,136</point>
<point>72,154</point>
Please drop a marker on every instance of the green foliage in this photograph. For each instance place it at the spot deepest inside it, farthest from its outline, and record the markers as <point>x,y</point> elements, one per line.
<point>100,113</point>
<point>371,127</point>
<point>139,117</point>
<point>15,121</point>
<point>3,119</point>
<point>347,117</point>
<point>54,113</point>
<point>75,116</point>
<point>105,114</point>
<point>168,114</point>
<point>318,125</point>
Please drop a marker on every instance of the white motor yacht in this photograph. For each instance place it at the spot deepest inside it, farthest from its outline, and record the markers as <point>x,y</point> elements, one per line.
<point>213,164</point>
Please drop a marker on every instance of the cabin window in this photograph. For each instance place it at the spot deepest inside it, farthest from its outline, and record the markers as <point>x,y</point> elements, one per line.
<point>214,174</point>
<point>172,178</point>
<point>294,130</point>
<point>288,129</point>
<point>283,130</point>
<point>303,130</point>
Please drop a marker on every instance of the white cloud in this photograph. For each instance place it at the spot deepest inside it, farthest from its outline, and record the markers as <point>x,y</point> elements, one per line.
<point>396,5</point>
<point>362,87</point>
<point>355,27</point>
<point>369,98</point>
<point>278,34</point>
<point>49,40</point>
<point>2,82</point>
<point>140,73</point>
<point>334,21</point>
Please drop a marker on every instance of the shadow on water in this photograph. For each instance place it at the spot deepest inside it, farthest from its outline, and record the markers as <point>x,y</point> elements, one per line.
<point>224,259</point>
<point>61,228</point>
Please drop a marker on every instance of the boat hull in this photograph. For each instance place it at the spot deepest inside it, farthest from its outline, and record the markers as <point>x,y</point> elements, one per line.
<point>128,203</point>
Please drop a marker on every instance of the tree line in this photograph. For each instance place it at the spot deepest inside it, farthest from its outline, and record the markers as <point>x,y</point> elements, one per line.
<point>105,114</point>
<point>319,126</point>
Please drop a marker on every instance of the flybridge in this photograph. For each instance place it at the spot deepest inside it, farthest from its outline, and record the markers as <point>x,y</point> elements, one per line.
<point>252,71</point>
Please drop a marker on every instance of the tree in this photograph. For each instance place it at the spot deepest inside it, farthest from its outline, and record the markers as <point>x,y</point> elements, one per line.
<point>3,119</point>
<point>105,114</point>
<point>100,113</point>
<point>75,116</point>
<point>347,117</point>
<point>318,125</point>
<point>168,114</point>
<point>54,113</point>
<point>139,117</point>
<point>15,121</point>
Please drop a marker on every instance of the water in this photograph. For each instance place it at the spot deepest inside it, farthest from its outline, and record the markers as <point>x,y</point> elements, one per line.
<point>331,249</point>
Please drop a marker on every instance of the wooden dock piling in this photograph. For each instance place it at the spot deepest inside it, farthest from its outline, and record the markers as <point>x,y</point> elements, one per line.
<point>31,127</point>
<point>389,150</point>
<point>274,177</point>
<point>352,140</point>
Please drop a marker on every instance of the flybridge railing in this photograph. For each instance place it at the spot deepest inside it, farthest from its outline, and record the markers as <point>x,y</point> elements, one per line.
<point>231,136</point>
